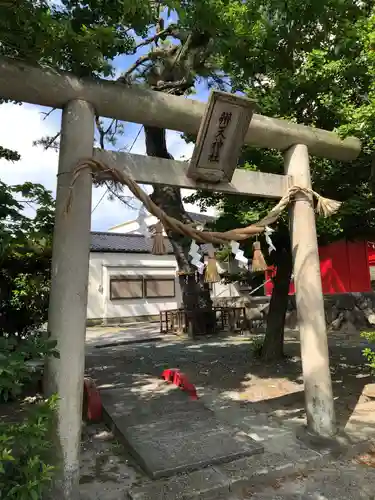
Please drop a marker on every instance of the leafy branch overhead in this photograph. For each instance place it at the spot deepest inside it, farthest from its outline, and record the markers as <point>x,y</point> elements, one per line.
<point>25,256</point>
<point>301,60</point>
<point>314,67</point>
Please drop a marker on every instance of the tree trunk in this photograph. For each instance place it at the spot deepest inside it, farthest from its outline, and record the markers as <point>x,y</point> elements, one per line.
<point>195,295</point>
<point>273,346</point>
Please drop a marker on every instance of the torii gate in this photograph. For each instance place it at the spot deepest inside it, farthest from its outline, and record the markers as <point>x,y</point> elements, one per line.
<point>80,100</point>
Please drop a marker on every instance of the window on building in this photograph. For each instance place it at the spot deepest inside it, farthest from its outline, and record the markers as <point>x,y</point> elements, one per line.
<point>126,288</point>
<point>160,288</point>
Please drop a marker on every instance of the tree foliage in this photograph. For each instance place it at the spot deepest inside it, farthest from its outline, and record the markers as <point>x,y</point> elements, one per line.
<point>322,76</point>
<point>25,453</point>
<point>173,54</point>
<point>25,260</point>
<point>71,35</point>
<point>313,64</point>
<point>25,254</point>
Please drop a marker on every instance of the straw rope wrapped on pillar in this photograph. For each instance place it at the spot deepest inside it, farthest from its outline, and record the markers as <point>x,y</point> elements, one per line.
<point>324,206</point>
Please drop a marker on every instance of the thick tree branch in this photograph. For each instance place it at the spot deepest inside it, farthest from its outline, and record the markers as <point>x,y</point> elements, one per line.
<point>151,56</point>
<point>161,34</point>
<point>179,34</point>
<point>141,60</point>
<point>104,132</point>
<point>172,30</point>
<point>182,84</point>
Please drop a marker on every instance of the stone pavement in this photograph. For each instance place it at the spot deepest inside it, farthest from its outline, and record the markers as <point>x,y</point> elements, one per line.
<point>268,410</point>
<point>127,334</point>
<point>341,481</point>
<point>285,456</point>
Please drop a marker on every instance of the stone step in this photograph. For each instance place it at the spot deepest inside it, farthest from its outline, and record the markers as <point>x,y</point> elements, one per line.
<point>226,481</point>
<point>207,484</point>
<point>285,457</point>
<point>167,433</point>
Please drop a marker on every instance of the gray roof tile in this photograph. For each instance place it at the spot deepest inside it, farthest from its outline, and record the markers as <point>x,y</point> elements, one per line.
<point>122,242</point>
<point>201,218</point>
<point>133,243</point>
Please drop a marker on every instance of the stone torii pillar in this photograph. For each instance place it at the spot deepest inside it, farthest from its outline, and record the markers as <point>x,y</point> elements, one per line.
<point>309,299</point>
<point>68,299</point>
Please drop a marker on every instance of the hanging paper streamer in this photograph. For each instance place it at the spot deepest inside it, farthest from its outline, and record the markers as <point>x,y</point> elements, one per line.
<point>267,233</point>
<point>196,257</point>
<point>143,227</point>
<point>238,254</point>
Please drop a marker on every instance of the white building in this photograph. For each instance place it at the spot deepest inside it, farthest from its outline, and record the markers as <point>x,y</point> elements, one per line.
<point>132,226</point>
<point>128,283</point>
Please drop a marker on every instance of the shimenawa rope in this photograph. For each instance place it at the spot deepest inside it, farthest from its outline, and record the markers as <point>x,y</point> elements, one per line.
<point>324,206</point>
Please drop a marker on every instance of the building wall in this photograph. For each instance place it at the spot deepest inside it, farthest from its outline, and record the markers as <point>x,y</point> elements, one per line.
<point>220,290</point>
<point>132,227</point>
<point>105,265</point>
<point>101,309</point>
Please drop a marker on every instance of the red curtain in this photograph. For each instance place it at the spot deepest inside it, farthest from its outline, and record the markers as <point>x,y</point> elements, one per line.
<point>371,253</point>
<point>344,267</point>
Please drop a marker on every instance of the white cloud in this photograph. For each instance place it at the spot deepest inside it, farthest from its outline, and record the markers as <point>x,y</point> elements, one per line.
<point>21,125</point>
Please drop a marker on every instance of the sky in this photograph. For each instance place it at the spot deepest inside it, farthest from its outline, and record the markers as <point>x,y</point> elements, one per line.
<point>21,125</point>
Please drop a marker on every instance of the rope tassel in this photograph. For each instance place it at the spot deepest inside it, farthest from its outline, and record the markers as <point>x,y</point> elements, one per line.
<point>326,207</point>
<point>258,264</point>
<point>158,247</point>
<point>211,274</point>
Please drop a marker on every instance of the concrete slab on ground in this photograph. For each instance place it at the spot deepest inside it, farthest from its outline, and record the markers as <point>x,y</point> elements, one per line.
<point>196,485</point>
<point>361,423</point>
<point>233,478</point>
<point>292,472</point>
<point>128,334</point>
<point>168,433</point>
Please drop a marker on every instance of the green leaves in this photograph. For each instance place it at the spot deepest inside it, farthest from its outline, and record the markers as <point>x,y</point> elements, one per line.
<point>369,352</point>
<point>19,359</point>
<point>82,38</point>
<point>25,471</point>
<point>9,155</point>
<point>25,257</point>
<point>313,63</point>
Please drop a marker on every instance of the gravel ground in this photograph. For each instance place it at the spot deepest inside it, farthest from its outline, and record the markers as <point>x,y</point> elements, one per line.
<point>341,481</point>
